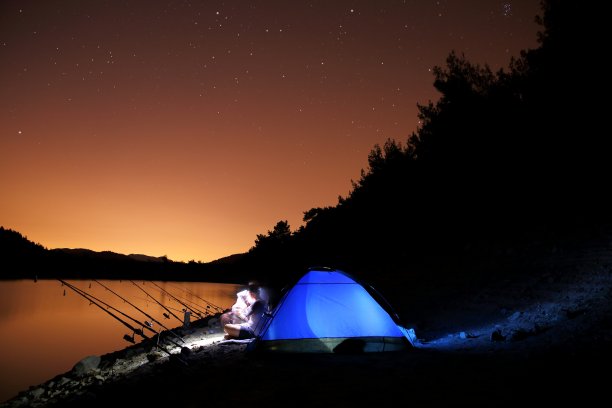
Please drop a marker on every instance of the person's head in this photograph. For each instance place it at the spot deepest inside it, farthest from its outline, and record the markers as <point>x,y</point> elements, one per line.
<point>254,289</point>
<point>253,285</point>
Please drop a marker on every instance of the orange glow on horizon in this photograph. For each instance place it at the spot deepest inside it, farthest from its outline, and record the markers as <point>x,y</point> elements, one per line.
<point>185,131</point>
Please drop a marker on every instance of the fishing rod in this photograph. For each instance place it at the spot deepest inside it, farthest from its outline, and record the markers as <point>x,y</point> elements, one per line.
<point>92,301</point>
<point>205,310</point>
<point>140,310</point>
<point>146,299</point>
<point>177,299</point>
<point>90,297</point>
<point>168,310</point>
<point>219,309</point>
<point>195,306</point>
<point>208,304</point>
<point>134,330</point>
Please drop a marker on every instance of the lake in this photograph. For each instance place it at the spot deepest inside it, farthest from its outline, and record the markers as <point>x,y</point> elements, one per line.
<point>46,327</point>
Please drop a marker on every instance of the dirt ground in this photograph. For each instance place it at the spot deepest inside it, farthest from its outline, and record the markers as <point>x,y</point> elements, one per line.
<point>542,338</point>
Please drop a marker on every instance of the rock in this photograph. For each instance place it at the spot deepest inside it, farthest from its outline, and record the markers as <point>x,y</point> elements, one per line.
<point>63,381</point>
<point>133,352</point>
<point>100,378</point>
<point>514,316</point>
<point>120,365</point>
<point>519,334</point>
<point>86,365</point>
<point>153,357</point>
<point>37,393</point>
<point>497,336</point>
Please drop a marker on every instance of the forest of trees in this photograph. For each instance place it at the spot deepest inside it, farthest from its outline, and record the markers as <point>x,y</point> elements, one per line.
<point>502,160</point>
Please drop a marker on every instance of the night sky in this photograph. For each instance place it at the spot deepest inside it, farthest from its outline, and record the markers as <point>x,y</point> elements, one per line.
<point>186,128</point>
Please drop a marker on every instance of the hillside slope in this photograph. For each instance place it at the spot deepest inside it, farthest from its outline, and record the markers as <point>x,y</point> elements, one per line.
<point>537,337</point>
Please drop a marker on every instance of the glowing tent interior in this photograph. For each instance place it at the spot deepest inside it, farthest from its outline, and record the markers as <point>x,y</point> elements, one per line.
<point>329,311</point>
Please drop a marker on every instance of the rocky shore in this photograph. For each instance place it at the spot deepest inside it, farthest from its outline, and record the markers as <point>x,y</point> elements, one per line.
<point>542,338</point>
<point>176,346</point>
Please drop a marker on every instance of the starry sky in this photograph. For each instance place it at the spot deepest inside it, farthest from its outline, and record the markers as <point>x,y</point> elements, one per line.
<point>186,128</point>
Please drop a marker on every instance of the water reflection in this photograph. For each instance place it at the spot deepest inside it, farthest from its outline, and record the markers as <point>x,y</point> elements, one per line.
<point>46,327</point>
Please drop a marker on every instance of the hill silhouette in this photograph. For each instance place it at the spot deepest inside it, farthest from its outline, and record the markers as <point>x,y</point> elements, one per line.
<point>23,259</point>
<point>504,166</point>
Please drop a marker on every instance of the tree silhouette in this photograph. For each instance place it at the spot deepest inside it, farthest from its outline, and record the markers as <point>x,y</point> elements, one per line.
<point>279,235</point>
<point>502,159</point>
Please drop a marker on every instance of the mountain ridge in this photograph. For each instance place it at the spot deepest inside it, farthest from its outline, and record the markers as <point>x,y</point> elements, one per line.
<point>26,259</point>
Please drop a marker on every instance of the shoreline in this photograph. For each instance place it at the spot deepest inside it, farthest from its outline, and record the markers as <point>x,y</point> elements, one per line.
<point>542,337</point>
<point>94,371</point>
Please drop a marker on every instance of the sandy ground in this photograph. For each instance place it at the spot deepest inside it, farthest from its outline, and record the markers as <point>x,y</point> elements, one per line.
<point>544,338</point>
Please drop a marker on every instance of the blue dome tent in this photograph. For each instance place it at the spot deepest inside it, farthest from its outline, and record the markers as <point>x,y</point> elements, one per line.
<point>329,311</point>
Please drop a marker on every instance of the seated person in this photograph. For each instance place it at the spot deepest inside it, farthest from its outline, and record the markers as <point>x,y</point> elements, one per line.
<point>243,300</point>
<point>251,317</point>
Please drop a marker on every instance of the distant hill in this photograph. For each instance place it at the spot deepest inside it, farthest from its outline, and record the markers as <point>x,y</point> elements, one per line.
<point>147,258</point>
<point>82,252</point>
<point>13,243</point>
<point>229,260</point>
<point>111,255</point>
<point>22,259</point>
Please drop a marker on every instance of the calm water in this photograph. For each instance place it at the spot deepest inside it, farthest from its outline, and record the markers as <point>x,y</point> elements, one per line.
<point>46,328</point>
